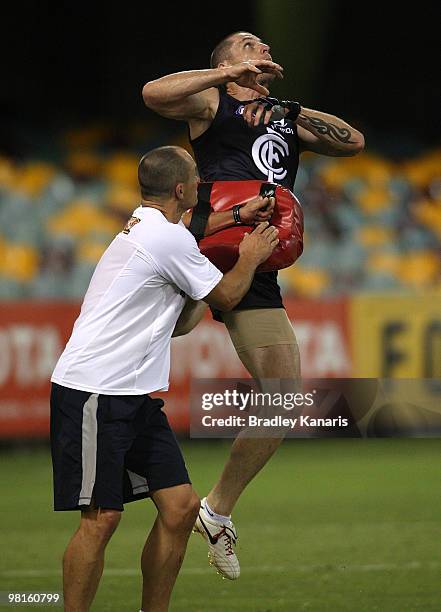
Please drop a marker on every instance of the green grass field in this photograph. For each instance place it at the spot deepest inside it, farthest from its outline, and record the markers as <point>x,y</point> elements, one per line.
<point>339,525</point>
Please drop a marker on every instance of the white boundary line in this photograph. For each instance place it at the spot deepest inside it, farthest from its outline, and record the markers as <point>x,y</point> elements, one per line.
<point>262,569</point>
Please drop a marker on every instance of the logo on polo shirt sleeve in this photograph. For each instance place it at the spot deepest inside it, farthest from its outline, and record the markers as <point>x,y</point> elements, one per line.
<point>130,223</point>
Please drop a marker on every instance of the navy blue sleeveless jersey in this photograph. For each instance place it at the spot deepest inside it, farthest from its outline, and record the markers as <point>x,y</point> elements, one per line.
<point>229,150</point>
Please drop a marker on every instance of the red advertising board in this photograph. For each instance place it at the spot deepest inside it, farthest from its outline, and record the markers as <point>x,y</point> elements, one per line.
<point>322,331</point>
<point>33,334</point>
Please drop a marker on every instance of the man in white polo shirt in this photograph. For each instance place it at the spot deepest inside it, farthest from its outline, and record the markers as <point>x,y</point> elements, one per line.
<point>111,442</point>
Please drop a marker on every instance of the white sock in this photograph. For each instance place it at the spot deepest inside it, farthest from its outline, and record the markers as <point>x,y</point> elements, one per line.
<point>220,518</point>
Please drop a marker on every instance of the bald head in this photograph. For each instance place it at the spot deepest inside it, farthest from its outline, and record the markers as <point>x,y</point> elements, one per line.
<point>160,170</point>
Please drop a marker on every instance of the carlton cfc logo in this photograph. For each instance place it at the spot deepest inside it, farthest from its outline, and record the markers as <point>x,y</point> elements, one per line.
<point>268,152</point>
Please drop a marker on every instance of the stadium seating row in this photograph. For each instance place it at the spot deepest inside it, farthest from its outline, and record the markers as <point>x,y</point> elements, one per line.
<point>370,224</point>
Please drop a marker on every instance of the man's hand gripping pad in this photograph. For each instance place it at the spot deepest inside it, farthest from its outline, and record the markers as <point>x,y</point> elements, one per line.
<point>222,247</point>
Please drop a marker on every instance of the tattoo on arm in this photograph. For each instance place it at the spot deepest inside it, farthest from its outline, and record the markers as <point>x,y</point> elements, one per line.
<point>329,129</point>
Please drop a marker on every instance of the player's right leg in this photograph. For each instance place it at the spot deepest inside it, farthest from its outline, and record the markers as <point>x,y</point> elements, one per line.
<point>83,560</point>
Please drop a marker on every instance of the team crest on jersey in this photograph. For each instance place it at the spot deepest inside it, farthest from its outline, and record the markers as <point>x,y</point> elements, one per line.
<point>268,152</point>
<point>130,223</point>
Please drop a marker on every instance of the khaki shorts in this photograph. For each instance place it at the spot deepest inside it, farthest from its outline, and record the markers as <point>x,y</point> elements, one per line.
<point>259,327</point>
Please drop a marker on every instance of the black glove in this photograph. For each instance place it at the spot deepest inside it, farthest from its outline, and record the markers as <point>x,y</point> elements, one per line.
<point>279,108</point>
<point>294,109</point>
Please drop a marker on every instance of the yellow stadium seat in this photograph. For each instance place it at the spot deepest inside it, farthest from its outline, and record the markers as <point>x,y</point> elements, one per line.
<point>32,178</point>
<point>428,213</point>
<point>305,282</point>
<point>7,173</point>
<point>378,173</point>
<point>334,176</point>
<point>420,269</point>
<point>3,246</point>
<point>369,168</point>
<point>421,172</point>
<point>375,236</point>
<point>375,199</point>
<point>84,163</point>
<point>19,262</point>
<point>384,262</point>
<point>122,168</point>
<point>82,218</point>
<point>90,252</point>
<point>122,199</point>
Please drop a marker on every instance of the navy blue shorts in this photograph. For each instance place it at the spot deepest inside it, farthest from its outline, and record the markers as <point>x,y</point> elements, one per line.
<point>108,450</point>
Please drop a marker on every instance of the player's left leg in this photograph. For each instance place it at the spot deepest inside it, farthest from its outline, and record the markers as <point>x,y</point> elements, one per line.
<point>165,547</point>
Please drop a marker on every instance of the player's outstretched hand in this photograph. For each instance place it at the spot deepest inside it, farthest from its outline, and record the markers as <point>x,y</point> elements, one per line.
<point>245,73</point>
<point>259,245</point>
<point>257,210</point>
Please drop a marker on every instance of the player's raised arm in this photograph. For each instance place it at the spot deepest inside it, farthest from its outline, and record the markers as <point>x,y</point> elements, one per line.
<point>184,95</point>
<point>192,94</point>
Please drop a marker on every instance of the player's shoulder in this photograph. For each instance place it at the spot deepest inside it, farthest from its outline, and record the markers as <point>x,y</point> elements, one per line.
<point>163,235</point>
<point>148,223</point>
<point>179,233</point>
